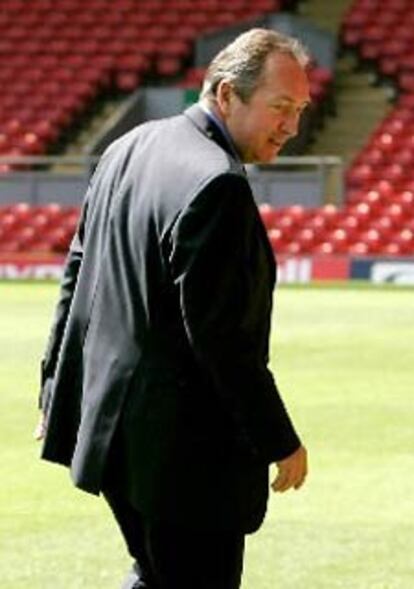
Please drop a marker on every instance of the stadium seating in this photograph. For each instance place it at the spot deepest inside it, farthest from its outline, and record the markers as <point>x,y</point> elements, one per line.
<point>57,58</point>
<point>374,226</point>
<point>366,29</point>
<point>375,223</point>
<point>381,176</point>
<point>85,57</point>
<point>46,229</point>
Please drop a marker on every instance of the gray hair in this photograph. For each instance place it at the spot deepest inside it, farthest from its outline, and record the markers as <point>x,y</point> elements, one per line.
<point>242,61</point>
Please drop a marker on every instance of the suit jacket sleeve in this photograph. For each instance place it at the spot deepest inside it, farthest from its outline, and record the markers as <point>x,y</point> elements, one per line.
<point>220,270</point>
<point>67,288</point>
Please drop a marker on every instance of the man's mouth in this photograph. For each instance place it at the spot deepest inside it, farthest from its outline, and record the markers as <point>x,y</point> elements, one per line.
<point>275,143</point>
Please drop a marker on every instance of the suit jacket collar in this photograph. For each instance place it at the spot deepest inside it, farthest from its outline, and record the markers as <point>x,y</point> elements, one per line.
<point>209,128</point>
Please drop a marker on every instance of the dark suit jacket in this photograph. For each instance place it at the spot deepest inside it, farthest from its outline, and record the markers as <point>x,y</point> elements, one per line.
<point>161,333</point>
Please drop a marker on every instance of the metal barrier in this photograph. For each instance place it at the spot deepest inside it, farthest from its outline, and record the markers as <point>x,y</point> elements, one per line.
<point>310,181</point>
<point>43,179</point>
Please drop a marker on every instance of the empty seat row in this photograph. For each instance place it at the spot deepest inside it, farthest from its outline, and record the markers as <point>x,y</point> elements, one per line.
<point>47,228</point>
<point>372,223</point>
<point>366,28</point>
<point>56,58</point>
<point>356,229</point>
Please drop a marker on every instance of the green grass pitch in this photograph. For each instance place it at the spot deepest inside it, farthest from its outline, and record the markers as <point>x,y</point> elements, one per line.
<point>344,361</point>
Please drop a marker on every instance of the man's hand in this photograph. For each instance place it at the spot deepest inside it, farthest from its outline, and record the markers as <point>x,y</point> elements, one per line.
<point>292,471</point>
<point>39,432</point>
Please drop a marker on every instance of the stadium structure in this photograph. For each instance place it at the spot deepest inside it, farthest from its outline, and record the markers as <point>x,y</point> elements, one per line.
<point>337,205</point>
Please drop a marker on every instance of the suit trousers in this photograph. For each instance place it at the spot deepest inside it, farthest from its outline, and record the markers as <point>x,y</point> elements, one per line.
<point>172,557</point>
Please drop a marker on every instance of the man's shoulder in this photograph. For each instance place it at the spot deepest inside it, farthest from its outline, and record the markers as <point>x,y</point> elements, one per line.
<point>170,152</point>
<point>130,137</point>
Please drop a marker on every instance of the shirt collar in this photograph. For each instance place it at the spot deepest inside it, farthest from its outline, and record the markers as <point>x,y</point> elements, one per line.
<point>225,132</point>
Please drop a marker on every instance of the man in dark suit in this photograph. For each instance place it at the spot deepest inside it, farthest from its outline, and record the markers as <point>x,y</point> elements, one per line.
<point>155,385</point>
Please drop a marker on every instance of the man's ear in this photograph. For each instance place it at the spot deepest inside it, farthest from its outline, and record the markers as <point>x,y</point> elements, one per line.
<point>224,96</point>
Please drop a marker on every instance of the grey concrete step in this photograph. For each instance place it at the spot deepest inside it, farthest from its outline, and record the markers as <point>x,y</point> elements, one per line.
<point>90,130</point>
<point>327,14</point>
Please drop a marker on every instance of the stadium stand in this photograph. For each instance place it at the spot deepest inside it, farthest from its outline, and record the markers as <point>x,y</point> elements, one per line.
<point>380,181</point>
<point>56,60</point>
<point>364,228</point>
<point>42,229</point>
<point>85,57</point>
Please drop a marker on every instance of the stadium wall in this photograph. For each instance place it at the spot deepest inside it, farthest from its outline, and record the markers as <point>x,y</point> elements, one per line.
<point>291,180</point>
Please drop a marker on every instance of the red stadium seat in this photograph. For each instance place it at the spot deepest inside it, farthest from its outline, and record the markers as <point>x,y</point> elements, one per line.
<point>404,239</point>
<point>325,248</point>
<point>277,239</point>
<point>307,238</point>
<point>360,176</point>
<point>293,248</point>
<point>268,215</point>
<point>358,248</point>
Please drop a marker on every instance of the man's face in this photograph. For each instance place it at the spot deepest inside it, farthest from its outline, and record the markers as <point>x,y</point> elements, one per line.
<point>260,126</point>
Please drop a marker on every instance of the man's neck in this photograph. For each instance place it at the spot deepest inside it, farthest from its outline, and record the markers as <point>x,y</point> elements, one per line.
<point>212,109</point>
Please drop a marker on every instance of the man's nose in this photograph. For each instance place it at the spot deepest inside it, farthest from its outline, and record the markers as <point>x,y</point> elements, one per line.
<point>291,124</point>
